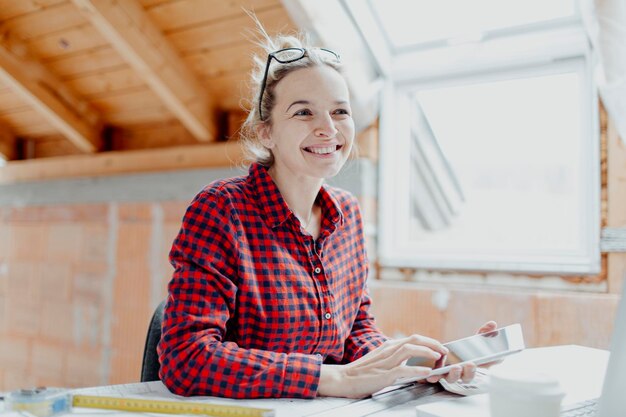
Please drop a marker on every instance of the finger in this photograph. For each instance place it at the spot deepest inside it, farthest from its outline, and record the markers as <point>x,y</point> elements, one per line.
<point>394,352</point>
<point>434,378</point>
<point>469,372</point>
<point>488,327</point>
<point>407,351</point>
<point>417,339</point>
<point>490,364</point>
<point>403,371</point>
<point>454,374</point>
<point>381,352</point>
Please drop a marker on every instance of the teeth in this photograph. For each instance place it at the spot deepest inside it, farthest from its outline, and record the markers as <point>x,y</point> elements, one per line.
<point>322,151</point>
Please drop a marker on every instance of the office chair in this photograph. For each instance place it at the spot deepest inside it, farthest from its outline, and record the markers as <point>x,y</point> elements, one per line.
<point>150,365</point>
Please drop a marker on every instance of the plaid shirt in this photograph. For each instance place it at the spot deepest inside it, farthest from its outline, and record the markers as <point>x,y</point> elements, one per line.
<point>256,305</point>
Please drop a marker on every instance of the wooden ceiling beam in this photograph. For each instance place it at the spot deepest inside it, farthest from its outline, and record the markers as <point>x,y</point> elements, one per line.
<point>129,29</point>
<point>41,90</point>
<point>222,154</point>
<point>7,144</point>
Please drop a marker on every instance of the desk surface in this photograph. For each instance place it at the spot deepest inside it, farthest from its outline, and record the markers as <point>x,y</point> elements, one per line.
<point>580,371</point>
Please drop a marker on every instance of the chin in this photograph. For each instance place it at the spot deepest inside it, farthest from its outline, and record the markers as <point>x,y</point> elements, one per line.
<point>331,172</point>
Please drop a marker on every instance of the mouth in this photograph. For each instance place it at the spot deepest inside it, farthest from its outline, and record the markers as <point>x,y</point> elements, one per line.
<point>326,150</point>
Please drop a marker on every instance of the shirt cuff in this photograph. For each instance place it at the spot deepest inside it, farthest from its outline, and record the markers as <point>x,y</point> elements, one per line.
<point>301,375</point>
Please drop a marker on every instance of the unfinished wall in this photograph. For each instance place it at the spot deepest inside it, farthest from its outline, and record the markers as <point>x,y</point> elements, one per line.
<point>77,287</point>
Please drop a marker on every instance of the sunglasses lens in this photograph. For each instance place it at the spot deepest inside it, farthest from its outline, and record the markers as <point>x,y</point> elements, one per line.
<point>288,55</point>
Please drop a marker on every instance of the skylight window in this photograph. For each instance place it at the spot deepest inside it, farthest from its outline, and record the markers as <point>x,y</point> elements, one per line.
<point>417,23</point>
<point>494,164</point>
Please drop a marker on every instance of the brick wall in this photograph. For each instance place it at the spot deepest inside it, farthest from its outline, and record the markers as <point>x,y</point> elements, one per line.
<point>78,284</point>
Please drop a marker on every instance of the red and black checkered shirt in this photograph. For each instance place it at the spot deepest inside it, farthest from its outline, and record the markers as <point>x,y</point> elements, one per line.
<point>255,304</point>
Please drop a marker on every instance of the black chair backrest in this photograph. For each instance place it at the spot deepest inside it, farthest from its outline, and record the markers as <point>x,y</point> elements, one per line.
<point>150,365</point>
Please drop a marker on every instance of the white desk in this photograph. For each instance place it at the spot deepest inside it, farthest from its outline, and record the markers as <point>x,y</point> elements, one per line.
<point>580,371</point>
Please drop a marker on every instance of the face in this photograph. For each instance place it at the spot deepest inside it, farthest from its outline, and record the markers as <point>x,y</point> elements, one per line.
<point>312,130</point>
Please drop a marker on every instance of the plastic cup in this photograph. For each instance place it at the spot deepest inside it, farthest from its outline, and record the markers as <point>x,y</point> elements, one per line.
<point>515,393</point>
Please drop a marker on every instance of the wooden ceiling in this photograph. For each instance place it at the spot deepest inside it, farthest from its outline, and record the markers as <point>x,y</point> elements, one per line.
<point>91,76</point>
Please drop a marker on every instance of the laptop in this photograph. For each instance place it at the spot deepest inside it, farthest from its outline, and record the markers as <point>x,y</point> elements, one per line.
<point>611,403</point>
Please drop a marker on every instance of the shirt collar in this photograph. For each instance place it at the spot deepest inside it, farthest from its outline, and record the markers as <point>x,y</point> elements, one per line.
<point>273,206</point>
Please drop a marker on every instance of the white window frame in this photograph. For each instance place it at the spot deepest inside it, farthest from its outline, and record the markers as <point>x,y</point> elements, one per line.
<point>558,49</point>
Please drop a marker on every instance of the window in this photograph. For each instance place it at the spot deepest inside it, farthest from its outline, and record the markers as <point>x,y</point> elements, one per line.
<point>490,145</point>
<point>423,23</point>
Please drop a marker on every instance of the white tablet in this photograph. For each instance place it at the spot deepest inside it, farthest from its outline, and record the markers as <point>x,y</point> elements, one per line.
<point>479,349</point>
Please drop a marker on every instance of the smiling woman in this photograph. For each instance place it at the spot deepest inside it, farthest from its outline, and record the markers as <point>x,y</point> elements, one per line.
<point>269,296</point>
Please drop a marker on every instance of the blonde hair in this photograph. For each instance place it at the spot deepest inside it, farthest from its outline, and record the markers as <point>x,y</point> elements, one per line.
<point>254,151</point>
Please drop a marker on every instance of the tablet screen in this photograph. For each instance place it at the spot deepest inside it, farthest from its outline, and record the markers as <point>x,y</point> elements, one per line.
<point>478,347</point>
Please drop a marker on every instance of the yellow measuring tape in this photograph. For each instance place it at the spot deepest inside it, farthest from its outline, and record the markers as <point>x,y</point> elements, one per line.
<point>46,402</point>
<point>168,407</point>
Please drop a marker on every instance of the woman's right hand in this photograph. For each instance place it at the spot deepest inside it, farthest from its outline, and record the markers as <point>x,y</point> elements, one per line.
<point>382,366</point>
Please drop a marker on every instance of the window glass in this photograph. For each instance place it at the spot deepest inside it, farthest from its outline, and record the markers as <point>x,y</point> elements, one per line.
<point>415,22</point>
<point>494,171</point>
<point>514,151</point>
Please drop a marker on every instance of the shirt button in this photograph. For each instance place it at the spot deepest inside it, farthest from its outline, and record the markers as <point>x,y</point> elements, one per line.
<point>327,316</point>
<point>317,270</point>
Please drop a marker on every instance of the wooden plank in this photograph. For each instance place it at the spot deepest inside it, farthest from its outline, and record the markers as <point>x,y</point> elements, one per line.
<point>221,60</point>
<point>10,9</point>
<point>152,135</point>
<point>45,93</point>
<point>131,32</point>
<point>28,122</point>
<point>54,18</point>
<point>180,14</point>
<point>102,58</point>
<point>7,144</point>
<point>11,102</point>
<point>101,84</point>
<point>231,31</point>
<point>53,146</point>
<point>230,91</point>
<point>223,154</point>
<point>152,114</point>
<point>66,43</point>
<point>151,3</point>
<point>129,101</point>
<point>616,200</point>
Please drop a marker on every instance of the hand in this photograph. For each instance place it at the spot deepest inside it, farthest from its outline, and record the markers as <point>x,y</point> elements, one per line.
<point>488,327</point>
<point>468,371</point>
<point>381,367</point>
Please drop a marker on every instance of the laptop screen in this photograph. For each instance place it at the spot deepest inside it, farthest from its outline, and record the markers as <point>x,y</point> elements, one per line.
<point>613,401</point>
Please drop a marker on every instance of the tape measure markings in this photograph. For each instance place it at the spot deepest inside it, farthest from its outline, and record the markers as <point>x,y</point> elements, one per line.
<point>168,407</point>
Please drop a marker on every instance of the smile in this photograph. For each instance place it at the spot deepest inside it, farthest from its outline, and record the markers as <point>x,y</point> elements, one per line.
<point>325,150</point>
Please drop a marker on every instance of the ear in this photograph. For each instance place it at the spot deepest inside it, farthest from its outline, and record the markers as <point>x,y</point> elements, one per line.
<point>264,133</point>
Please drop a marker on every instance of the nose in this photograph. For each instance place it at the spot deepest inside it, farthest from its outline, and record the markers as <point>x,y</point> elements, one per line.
<point>325,127</point>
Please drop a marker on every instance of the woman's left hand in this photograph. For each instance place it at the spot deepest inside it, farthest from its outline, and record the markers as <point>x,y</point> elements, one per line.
<point>466,372</point>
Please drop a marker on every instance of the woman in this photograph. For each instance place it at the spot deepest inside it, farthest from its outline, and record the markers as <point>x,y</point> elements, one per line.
<point>268,297</point>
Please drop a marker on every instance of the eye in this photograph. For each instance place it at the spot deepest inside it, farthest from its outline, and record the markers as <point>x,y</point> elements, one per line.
<point>303,112</point>
<point>341,112</point>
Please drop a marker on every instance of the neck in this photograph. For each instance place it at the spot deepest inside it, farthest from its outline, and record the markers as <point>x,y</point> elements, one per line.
<point>299,192</point>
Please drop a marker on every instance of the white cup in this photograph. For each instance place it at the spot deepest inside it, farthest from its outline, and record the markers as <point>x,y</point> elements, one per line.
<point>515,393</point>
